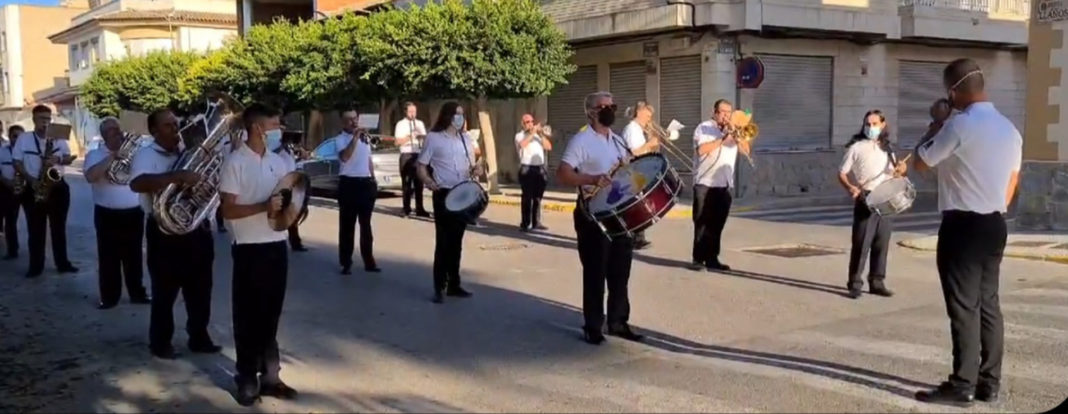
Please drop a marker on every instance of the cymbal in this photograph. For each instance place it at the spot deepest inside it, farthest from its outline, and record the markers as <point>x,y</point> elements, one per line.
<point>293,188</point>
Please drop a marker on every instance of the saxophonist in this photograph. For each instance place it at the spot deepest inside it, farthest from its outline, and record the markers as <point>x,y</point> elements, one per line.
<point>33,153</point>
<point>175,262</point>
<point>118,218</point>
<point>10,198</point>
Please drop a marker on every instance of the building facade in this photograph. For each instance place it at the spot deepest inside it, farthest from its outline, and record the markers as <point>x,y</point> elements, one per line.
<point>1043,196</point>
<point>29,63</point>
<point>119,28</point>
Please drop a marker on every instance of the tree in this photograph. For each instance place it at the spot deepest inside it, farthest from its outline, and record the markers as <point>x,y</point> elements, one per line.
<point>143,83</point>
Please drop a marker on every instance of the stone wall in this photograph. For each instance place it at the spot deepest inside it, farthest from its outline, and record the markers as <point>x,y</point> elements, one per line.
<point>1042,203</point>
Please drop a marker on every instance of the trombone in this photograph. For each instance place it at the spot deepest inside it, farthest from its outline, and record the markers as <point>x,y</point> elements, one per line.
<point>665,138</point>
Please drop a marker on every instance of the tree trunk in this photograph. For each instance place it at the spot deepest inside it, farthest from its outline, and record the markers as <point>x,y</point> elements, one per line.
<point>489,147</point>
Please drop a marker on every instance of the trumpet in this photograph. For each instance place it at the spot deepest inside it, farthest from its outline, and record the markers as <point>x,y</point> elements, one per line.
<point>665,138</point>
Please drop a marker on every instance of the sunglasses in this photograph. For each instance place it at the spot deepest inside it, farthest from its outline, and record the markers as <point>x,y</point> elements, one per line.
<point>613,106</point>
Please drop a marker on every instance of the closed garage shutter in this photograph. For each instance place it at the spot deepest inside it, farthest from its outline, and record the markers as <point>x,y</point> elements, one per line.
<point>793,106</point>
<point>680,99</point>
<point>627,83</point>
<point>919,84</point>
<point>566,114</point>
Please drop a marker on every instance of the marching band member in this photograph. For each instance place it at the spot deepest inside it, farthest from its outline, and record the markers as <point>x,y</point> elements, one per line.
<point>715,155</point>
<point>590,156</point>
<point>357,191</point>
<point>532,144</point>
<point>978,155</point>
<point>9,201</point>
<point>406,132</point>
<point>634,136</point>
<point>451,154</point>
<point>119,222</point>
<point>175,262</point>
<point>249,177</point>
<point>290,153</point>
<point>228,147</point>
<point>869,159</point>
<point>52,212</point>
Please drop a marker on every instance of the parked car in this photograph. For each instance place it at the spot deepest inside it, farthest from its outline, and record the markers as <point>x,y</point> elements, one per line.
<point>324,166</point>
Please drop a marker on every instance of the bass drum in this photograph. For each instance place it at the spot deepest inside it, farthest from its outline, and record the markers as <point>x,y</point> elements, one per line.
<point>642,192</point>
<point>467,200</point>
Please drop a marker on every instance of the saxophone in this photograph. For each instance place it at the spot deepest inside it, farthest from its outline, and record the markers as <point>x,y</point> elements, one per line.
<point>180,209</point>
<point>49,174</point>
<point>119,170</point>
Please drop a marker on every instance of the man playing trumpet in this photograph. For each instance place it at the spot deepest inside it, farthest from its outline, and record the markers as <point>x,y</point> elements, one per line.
<point>532,143</point>
<point>639,144</point>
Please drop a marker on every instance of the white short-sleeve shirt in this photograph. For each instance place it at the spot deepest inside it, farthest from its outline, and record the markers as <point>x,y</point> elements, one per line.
<point>404,128</point>
<point>634,135</point>
<point>7,162</point>
<point>152,159</point>
<point>715,169</point>
<point>451,157</point>
<point>359,164</point>
<point>289,159</point>
<point>976,152</point>
<point>28,149</point>
<point>593,153</point>
<point>106,193</point>
<point>869,164</point>
<point>533,154</point>
<point>252,178</point>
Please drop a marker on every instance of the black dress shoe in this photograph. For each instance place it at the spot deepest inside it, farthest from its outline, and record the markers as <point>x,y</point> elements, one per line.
<point>278,390</point>
<point>947,394</point>
<point>164,353</point>
<point>641,245</point>
<point>300,249</point>
<point>68,268</point>
<point>623,331</point>
<point>881,291</point>
<point>717,266</point>
<point>372,269</point>
<point>855,293</point>
<point>141,300</point>
<point>346,270</point>
<point>524,229</point>
<point>34,273</point>
<point>696,266</point>
<point>540,227</point>
<point>423,214</point>
<point>592,337</point>
<point>106,305</point>
<point>205,348</point>
<point>437,298</point>
<point>458,292</point>
<point>248,390</point>
<point>986,393</point>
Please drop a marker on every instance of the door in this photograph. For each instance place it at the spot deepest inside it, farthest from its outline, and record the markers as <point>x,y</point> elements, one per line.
<point>567,110</point>
<point>680,99</point>
<point>627,84</point>
<point>793,107</point>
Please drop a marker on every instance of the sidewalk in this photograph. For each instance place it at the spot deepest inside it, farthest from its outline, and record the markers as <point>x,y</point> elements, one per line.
<point>1047,247</point>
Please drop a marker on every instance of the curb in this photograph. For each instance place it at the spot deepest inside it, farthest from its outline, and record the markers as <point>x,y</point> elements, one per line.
<point>677,212</point>
<point>1013,252</point>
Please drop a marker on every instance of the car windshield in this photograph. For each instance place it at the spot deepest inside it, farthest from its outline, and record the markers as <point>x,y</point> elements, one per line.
<point>327,150</point>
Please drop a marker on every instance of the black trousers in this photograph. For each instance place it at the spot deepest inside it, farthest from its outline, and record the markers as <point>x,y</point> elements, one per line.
<point>294,237</point>
<point>449,232</point>
<point>711,206</point>
<point>259,289</point>
<point>219,224</point>
<point>532,180</point>
<point>9,218</point>
<point>119,233</point>
<point>179,263</point>
<point>970,248</point>
<point>51,215</point>
<point>603,260</point>
<point>871,233</point>
<point>356,199</point>
<point>411,185</point>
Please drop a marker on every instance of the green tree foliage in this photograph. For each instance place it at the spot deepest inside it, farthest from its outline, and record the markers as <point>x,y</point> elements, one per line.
<point>143,83</point>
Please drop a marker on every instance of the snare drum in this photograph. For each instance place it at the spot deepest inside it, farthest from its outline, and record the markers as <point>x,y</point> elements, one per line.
<point>467,200</point>
<point>892,197</point>
<point>641,193</point>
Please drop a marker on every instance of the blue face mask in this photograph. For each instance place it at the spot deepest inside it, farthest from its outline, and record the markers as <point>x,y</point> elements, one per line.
<point>458,121</point>
<point>273,138</point>
<point>872,131</point>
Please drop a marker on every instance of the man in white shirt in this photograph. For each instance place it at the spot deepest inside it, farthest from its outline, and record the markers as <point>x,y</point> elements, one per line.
<point>410,136</point>
<point>978,154</point>
<point>639,144</point>
<point>590,156</point>
<point>249,177</point>
<point>715,155</point>
<point>451,155</point>
<point>176,263</point>
<point>29,153</point>
<point>870,161</point>
<point>532,143</point>
<point>119,223</point>
<point>228,147</point>
<point>357,191</point>
<point>10,200</point>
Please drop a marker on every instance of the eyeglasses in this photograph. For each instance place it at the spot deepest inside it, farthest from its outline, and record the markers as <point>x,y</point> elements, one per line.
<point>613,106</point>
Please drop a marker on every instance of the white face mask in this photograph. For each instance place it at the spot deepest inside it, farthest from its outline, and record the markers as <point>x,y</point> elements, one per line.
<point>458,121</point>
<point>273,139</point>
<point>872,131</point>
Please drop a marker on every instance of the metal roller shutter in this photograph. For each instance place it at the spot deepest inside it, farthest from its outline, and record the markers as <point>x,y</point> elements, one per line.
<point>680,99</point>
<point>566,114</point>
<point>793,107</point>
<point>626,81</point>
<point>919,84</point>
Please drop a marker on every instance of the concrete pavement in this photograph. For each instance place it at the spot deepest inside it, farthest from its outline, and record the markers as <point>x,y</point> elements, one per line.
<point>776,335</point>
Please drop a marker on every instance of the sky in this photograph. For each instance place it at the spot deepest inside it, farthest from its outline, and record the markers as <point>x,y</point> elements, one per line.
<point>38,2</point>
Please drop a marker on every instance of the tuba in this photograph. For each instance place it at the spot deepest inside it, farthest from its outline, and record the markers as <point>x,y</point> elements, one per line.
<point>181,209</point>
<point>119,170</point>
<point>49,174</point>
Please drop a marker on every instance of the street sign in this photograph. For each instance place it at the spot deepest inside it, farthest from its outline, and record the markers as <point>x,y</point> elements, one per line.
<point>750,72</point>
<point>1048,11</point>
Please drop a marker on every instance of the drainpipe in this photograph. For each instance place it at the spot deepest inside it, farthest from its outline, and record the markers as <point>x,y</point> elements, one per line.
<point>693,10</point>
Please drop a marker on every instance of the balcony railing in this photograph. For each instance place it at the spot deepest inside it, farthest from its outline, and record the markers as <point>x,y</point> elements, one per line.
<point>1004,7</point>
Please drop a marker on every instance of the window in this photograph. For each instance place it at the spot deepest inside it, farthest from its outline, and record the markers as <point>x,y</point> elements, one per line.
<point>3,42</point>
<point>94,50</point>
<point>83,56</point>
<point>74,56</point>
<point>5,83</point>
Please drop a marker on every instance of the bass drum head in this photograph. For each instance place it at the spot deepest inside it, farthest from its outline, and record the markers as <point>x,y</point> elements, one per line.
<point>640,175</point>
<point>463,196</point>
<point>887,190</point>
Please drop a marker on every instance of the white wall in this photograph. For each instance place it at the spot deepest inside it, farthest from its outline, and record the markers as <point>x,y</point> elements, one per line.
<point>203,38</point>
<point>12,58</point>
